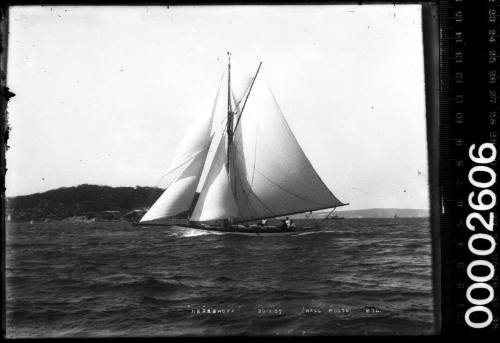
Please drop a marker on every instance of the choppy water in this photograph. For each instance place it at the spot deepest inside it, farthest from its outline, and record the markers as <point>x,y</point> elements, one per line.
<point>113,279</point>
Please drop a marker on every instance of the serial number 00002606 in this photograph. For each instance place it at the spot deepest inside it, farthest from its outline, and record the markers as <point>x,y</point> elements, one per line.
<point>481,200</point>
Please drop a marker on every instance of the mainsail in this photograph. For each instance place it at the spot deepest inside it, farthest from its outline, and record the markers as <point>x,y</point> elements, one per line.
<point>272,175</point>
<point>257,168</point>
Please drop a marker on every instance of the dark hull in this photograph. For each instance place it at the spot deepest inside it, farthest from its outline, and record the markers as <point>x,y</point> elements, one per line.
<point>237,229</point>
<point>247,230</point>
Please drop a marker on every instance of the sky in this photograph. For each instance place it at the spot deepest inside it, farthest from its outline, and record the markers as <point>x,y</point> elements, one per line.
<point>104,94</point>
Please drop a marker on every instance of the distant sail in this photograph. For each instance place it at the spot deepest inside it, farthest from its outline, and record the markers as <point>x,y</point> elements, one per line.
<point>271,174</point>
<point>216,199</point>
<point>186,168</point>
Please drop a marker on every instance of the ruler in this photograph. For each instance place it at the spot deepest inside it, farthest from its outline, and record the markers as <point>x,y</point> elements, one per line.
<point>468,114</point>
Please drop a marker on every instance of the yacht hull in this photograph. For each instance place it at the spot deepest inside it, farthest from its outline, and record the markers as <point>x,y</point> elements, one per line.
<point>252,230</point>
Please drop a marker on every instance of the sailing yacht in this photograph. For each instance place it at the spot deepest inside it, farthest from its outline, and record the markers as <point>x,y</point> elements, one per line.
<point>240,162</point>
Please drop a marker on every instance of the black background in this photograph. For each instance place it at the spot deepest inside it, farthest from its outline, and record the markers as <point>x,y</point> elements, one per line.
<point>447,93</point>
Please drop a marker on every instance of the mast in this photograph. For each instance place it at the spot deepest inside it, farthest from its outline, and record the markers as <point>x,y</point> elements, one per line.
<point>230,114</point>
<point>230,131</point>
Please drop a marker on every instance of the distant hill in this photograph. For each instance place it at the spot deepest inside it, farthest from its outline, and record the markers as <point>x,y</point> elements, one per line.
<point>367,213</point>
<point>93,202</point>
<point>384,213</point>
<point>85,201</point>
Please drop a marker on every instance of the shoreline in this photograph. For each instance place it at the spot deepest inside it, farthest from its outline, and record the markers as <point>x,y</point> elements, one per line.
<point>90,221</point>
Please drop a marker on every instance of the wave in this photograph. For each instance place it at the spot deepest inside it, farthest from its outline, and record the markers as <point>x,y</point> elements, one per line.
<point>146,282</point>
<point>196,232</point>
<point>184,232</point>
<point>383,293</point>
<point>224,279</point>
<point>313,233</point>
<point>137,284</point>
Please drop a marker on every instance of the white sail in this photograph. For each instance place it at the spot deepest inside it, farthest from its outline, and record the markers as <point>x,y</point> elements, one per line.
<point>186,168</point>
<point>270,174</point>
<point>240,82</point>
<point>216,199</point>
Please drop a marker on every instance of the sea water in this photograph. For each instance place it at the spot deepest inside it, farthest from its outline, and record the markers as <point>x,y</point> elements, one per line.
<point>346,277</point>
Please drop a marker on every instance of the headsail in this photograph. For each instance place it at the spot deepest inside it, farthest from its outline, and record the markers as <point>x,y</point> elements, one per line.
<point>271,175</point>
<point>216,199</point>
<point>186,168</point>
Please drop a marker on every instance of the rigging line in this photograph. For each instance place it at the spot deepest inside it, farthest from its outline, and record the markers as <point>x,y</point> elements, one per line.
<point>235,143</point>
<point>272,214</point>
<point>248,95</point>
<point>255,152</point>
<point>186,161</point>
<point>283,119</point>
<point>174,179</point>
<point>228,82</point>
<point>248,202</point>
<point>237,108</point>
<point>243,97</point>
<point>256,197</point>
<point>236,103</point>
<point>195,202</point>
<point>239,138</point>
<point>287,191</point>
<point>193,156</point>
<point>286,213</point>
<point>199,152</point>
<point>239,179</point>
<point>328,215</point>
<point>221,124</point>
<point>171,171</point>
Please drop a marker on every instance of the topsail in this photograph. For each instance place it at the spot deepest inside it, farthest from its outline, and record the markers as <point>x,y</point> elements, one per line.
<point>256,168</point>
